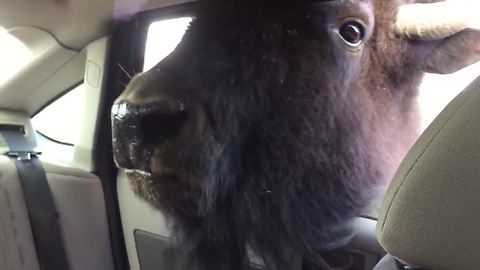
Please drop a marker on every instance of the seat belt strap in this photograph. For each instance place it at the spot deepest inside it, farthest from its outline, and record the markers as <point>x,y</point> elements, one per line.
<point>46,230</point>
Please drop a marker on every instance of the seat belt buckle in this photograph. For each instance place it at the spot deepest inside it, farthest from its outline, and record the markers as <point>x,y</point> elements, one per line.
<point>23,155</point>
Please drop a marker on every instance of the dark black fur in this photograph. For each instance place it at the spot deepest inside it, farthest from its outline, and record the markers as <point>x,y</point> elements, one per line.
<point>299,130</point>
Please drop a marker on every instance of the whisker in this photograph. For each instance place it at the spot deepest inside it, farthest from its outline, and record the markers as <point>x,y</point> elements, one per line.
<point>124,71</point>
<point>124,85</point>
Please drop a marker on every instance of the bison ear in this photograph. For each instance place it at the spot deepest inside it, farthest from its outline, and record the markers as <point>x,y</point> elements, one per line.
<point>441,33</point>
<point>448,55</point>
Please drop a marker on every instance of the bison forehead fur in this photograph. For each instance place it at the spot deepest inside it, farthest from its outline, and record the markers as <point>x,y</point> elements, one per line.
<point>300,128</point>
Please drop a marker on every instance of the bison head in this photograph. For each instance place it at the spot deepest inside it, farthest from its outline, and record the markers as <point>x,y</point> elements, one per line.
<point>273,122</point>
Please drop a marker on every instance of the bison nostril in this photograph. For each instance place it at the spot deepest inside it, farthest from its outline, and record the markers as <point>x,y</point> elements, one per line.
<point>139,128</point>
<point>158,126</point>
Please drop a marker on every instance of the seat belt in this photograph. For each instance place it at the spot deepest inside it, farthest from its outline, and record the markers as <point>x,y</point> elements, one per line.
<point>39,201</point>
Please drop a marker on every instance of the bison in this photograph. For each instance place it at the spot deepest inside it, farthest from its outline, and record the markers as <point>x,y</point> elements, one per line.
<point>274,122</point>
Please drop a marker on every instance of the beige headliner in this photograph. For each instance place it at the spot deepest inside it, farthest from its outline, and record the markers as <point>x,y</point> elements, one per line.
<point>74,23</point>
<point>57,33</point>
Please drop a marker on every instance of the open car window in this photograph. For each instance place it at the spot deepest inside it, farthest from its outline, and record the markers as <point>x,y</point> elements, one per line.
<point>163,36</point>
<point>436,91</point>
<point>60,120</point>
<point>58,125</point>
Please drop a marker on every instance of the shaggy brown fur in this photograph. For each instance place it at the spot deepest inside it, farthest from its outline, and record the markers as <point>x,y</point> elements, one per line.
<point>286,132</point>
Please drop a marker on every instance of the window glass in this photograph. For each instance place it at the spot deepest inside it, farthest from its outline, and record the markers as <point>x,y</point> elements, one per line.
<point>163,36</point>
<point>437,91</point>
<point>60,121</point>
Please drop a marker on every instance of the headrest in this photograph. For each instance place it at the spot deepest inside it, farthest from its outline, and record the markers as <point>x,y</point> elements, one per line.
<point>430,217</point>
<point>16,132</point>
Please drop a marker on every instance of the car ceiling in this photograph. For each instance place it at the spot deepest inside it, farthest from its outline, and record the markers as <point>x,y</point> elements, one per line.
<point>57,32</point>
<point>74,23</point>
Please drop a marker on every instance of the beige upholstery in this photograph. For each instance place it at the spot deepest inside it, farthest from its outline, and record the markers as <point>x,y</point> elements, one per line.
<point>74,23</point>
<point>17,250</point>
<point>430,216</point>
<point>79,200</point>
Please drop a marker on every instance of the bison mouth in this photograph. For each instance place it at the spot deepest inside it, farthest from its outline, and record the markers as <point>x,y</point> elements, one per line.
<point>149,173</point>
<point>154,144</point>
<point>167,191</point>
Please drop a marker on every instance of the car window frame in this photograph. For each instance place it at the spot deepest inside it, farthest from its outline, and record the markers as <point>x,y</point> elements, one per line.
<point>126,57</point>
<point>50,102</point>
<point>146,18</point>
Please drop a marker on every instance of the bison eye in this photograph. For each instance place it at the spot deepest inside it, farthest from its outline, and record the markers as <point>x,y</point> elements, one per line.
<point>352,32</point>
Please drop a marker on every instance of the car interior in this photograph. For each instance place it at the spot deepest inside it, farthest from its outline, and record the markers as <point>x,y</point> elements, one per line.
<point>63,63</point>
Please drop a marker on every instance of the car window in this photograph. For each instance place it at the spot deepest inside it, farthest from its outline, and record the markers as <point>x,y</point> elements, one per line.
<point>163,36</point>
<point>58,125</point>
<point>436,91</point>
<point>60,121</point>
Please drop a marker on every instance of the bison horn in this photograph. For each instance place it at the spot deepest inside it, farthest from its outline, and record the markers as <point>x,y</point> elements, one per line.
<point>435,20</point>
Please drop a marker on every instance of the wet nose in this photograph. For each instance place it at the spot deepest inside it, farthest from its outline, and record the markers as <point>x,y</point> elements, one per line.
<point>151,123</point>
<point>140,128</point>
<point>161,121</point>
